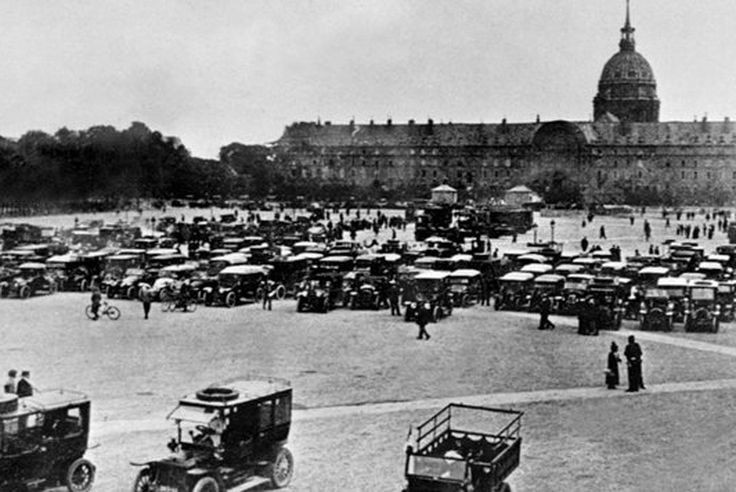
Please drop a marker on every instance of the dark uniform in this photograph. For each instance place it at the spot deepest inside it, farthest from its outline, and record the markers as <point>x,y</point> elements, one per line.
<point>394,294</point>
<point>545,307</point>
<point>423,317</point>
<point>633,356</point>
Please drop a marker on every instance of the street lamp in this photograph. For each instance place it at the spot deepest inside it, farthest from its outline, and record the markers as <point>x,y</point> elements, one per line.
<point>552,228</point>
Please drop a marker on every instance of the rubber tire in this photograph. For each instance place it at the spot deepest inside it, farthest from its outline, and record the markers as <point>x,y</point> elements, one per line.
<point>206,484</point>
<point>113,313</point>
<point>281,292</point>
<point>131,293</point>
<point>230,299</point>
<point>76,466</point>
<point>217,394</point>
<point>24,292</point>
<point>143,481</point>
<point>281,470</point>
<point>82,285</point>
<point>88,311</point>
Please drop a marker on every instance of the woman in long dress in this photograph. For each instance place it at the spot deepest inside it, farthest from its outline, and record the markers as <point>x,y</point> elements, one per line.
<point>612,370</point>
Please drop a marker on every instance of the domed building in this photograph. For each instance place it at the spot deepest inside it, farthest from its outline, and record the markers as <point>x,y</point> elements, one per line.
<point>624,149</point>
<point>627,90</point>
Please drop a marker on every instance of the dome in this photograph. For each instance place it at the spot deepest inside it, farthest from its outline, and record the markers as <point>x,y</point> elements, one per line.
<point>627,67</point>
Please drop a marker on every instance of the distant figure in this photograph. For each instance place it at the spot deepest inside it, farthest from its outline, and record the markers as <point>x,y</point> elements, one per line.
<point>631,220</point>
<point>612,369</point>
<point>11,385</point>
<point>423,317</point>
<point>545,307</point>
<point>583,223</point>
<point>633,356</point>
<point>394,294</point>
<point>24,385</point>
<point>584,243</point>
<point>603,232</point>
<point>146,301</point>
<point>647,230</point>
<point>96,299</point>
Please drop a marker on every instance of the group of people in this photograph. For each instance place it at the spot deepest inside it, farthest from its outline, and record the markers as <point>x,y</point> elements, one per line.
<point>21,387</point>
<point>633,355</point>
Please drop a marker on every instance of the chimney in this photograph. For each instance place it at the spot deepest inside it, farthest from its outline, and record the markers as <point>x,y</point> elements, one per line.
<point>411,122</point>
<point>388,122</point>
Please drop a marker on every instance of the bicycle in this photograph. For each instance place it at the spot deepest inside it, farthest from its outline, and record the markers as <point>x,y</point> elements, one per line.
<point>105,309</point>
<point>170,305</point>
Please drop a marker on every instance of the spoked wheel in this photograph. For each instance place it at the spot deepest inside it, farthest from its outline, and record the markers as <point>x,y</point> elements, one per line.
<point>112,312</point>
<point>88,312</point>
<point>230,299</point>
<point>280,292</point>
<point>25,292</point>
<point>80,475</point>
<point>282,469</point>
<point>144,481</point>
<point>206,484</point>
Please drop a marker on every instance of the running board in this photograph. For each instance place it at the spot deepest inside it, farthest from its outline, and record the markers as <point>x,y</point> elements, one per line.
<point>249,484</point>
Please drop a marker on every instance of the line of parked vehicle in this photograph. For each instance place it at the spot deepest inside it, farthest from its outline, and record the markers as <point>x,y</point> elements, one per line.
<point>684,285</point>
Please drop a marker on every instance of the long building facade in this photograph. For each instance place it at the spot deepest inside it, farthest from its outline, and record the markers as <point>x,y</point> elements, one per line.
<point>625,151</point>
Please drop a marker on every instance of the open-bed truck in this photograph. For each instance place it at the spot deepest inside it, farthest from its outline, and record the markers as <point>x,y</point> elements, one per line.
<point>464,448</point>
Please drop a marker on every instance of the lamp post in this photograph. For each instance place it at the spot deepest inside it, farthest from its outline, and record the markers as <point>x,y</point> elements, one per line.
<point>552,229</point>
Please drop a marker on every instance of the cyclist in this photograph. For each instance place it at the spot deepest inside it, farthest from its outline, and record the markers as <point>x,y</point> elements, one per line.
<point>96,301</point>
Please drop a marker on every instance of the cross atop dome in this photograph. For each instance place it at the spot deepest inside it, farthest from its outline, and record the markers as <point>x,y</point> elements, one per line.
<point>627,33</point>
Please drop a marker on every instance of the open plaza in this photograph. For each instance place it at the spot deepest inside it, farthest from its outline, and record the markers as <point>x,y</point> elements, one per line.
<point>361,379</point>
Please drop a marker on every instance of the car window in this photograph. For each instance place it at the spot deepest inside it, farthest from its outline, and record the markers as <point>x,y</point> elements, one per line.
<point>265,411</point>
<point>283,410</point>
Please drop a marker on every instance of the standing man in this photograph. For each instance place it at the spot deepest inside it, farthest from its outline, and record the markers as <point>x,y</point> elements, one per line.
<point>545,306</point>
<point>146,300</point>
<point>267,293</point>
<point>422,316</point>
<point>25,388</point>
<point>633,356</point>
<point>11,384</point>
<point>394,293</point>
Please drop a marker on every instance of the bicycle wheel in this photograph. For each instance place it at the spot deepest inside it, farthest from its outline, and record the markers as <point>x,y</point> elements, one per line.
<point>88,312</point>
<point>112,312</point>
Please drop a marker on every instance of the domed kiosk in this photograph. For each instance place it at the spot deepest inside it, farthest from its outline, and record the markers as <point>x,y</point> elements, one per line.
<point>627,89</point>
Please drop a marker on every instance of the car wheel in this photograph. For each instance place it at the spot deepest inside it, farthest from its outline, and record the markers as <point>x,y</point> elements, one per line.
<point>131,293</point>
<point>88,312</point>
<point>206,484</point>
<point>436,315</point>
<point>113,313</point>
<point>144,481</point>
<point>230,299</point>
<point>82,285</point>
<point>282,469</point>
<point>280,292</point>
<point>25,292</point>
<point>80,475</point>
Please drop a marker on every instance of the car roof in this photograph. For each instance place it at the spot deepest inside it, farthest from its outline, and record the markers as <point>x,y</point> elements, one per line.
<point>336,258</point>
<point>247,390</point>
<point>537,268</point>
<point>464,272</point>
<point>672,282</point>
<point>45,400</point>
<point>432,275</point>
<point>549,278</point>
<point>232,258</point>
<point>518,276</point>
<point>710,265</point>
<point>32,266</point>
<point>243,270</point>
<point>654,270</point>
<point>67,258</point>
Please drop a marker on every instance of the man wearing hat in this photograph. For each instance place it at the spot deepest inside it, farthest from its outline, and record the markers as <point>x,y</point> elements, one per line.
<point>11,383</point>
<point>24,385</point>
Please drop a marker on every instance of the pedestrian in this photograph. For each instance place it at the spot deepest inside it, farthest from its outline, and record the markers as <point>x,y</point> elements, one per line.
<point>603,232</point>
<point>25,388</point>
<point>146,301</point>
<point>268,292</point>
<point>423,317</point>
<point>612,369</point>
<point>11,385</point>
<point>545,307</point>
<point>584,243</point>
<point>485,298</point>
<point>633,356</point>
<point>647,230</point>
<point>96,299</point>
<point>394,294</point>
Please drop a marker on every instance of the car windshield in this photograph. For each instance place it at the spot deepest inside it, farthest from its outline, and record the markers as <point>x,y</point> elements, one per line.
<point>443,468</point>
<point>702,294</point>
<point>228,280</point>
<point>428,285</point>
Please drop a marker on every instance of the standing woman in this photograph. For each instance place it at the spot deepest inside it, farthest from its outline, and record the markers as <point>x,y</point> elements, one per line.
<point>612,371</point>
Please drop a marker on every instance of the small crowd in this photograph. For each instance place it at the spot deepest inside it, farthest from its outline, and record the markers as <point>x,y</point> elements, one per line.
<point>21,387</point>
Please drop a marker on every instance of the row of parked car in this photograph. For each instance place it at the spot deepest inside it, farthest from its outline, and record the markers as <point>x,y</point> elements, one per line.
<point>682,286</point>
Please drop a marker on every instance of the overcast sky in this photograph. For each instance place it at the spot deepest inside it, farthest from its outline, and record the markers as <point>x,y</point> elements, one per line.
<point>216,71</point>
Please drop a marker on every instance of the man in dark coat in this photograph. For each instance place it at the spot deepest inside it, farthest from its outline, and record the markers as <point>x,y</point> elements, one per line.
<point>612,379</point>
<point>633,356</point>
<point>394,294</point>
<point>11,384</point>
<point>545,307</point>
<point>24,385</point>
<point>423,317</point>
